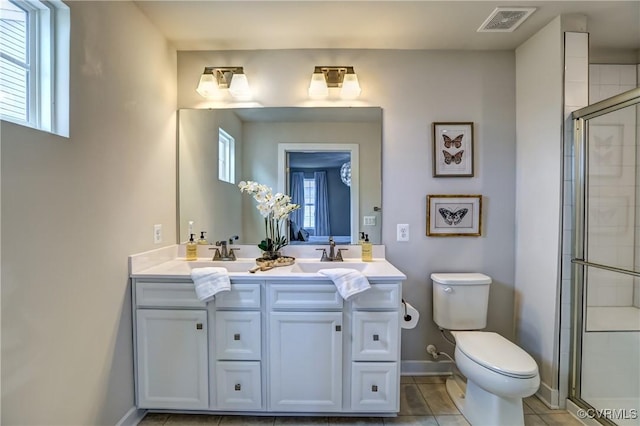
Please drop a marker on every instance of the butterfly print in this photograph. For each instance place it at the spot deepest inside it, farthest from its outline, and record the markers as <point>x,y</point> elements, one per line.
<point>456,142</point>
<point>452,217</point>
<point>455,158</point>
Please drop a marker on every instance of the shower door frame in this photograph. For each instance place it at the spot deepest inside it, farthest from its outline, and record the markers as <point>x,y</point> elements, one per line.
<point>579,262</point>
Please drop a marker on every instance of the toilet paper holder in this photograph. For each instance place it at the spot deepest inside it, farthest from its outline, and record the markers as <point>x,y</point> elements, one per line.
<point>407,317</point>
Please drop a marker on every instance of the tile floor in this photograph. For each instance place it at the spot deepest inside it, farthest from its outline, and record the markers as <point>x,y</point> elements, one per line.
<point>423,402</point>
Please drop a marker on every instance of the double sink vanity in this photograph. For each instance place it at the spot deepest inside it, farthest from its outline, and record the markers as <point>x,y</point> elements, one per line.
<point>281,341</point>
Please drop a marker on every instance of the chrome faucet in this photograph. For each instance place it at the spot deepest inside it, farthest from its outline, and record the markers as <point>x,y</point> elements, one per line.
<point>223,253</point>
<point>332,257</point>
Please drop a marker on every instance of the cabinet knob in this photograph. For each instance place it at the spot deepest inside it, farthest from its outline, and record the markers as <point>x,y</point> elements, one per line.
<point>338,328</point>
<point>199,326</point>
<point>376,337</point>
<point>238,387</point>
<point>236,336</point>
<point>374,388</point>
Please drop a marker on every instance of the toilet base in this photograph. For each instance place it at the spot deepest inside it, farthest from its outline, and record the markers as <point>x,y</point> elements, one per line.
<point>482,408</point>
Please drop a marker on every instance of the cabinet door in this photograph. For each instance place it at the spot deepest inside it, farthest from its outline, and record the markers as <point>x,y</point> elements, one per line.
<point>238,385</point>
<point>305,359</point>
<point>375,336</point>
<point>238,335</point>
<point>374,387</point>
<point>172,367</point>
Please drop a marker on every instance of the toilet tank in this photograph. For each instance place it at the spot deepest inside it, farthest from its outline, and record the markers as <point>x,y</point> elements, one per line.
<point>460,301</point>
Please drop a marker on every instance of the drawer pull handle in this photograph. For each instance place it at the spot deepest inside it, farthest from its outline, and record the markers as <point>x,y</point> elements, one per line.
<point>236,336</point>
<point>238,387</point>
<point>376,337</point>
<point>199,326</point>
<point>338,328</point>
<point>374,388</point>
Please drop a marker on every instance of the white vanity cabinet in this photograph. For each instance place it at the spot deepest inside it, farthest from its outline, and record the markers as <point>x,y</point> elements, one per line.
<point>172,361</point>
<point>375,349</point>
<point>271,344</point>
<point>237,344</point>
<point>305,347</point>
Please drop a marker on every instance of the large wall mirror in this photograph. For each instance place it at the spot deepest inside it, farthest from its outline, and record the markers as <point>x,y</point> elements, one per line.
<point>307,152</point>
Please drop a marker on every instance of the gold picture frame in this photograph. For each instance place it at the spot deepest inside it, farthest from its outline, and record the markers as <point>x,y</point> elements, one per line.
<point>454,215</point>
<point>453,149</point>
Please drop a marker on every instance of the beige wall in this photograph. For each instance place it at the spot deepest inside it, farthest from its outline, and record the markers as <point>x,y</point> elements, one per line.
<point>414,89</point>
<point>73,210</point>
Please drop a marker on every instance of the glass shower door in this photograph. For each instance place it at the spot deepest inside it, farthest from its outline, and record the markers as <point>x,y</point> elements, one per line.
<point>606,374</point>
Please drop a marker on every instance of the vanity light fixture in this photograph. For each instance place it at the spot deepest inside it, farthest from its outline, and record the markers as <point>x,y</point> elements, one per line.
<point>343,77</point>
<point>214,80</point>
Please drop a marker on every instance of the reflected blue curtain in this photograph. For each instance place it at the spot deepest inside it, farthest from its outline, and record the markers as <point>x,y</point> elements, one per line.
<point>297,197</point>
<point>322,204</point>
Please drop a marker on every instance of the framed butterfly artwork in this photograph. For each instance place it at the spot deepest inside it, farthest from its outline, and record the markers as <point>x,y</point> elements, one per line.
<point>454,215</point>
<point>453,149</point>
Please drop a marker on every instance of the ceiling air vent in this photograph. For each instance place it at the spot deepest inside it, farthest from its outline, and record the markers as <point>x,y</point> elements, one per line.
<point>505,19</point>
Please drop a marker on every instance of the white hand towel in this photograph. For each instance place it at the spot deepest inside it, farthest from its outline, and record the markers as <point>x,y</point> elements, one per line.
<point>209,282</point>
<point>349,282</point>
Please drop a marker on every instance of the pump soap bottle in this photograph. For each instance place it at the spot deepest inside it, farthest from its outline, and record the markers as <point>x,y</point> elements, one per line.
<point>203,240</point>
<point>192,249</point>
<point>367,249</point>
<point>361,239</point>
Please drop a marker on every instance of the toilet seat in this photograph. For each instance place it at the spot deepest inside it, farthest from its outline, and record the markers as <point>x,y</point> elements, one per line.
<point>494,352</point>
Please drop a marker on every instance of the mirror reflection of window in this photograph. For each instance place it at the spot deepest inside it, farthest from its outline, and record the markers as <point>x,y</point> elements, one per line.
<point>309,204</point>
<point>226,156</point>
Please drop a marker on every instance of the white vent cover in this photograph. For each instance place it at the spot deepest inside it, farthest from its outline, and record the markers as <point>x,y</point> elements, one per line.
<point>505,19</point>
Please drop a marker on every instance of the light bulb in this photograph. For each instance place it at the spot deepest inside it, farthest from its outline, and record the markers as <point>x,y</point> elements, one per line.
<point>239,87</point>
<point>318,87</point>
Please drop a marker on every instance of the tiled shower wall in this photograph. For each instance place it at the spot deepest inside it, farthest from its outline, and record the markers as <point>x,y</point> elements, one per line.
<point>613,236</point>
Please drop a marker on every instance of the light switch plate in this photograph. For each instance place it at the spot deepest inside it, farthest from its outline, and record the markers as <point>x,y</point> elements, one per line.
<point>157,233</point>
<point>369,221</point>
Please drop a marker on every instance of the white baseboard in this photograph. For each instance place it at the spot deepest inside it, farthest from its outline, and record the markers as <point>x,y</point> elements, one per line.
<point>425,368</point>
<point>549,396</point>
<point>132,417</point>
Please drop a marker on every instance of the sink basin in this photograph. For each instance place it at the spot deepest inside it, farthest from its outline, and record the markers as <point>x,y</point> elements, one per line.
<point>311,267</point>
<point>230,266</point>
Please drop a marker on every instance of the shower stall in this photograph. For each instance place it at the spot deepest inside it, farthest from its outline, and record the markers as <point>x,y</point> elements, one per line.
<point>605,359</point>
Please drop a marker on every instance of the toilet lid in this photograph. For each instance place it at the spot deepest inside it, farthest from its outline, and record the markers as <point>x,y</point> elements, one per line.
<point>496,353</point>
<point>467,278</point>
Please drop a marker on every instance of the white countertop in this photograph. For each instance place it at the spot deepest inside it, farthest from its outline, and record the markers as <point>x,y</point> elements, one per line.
<point>165,263</point>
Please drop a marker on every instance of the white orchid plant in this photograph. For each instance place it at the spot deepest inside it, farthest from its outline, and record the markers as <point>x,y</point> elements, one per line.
<point>275,208</point>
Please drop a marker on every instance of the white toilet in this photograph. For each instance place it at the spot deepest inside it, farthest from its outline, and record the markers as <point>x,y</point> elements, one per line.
<point>499,373</point>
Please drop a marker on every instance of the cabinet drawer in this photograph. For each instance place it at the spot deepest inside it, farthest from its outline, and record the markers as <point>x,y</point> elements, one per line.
<point>241,296</point>
<point>303,296</point>
<point>237,335</point>
<point>379,296</point>
<point>375,336</point>
<point>238,385</point>
<point>374,386</point>
<point>181,295</point>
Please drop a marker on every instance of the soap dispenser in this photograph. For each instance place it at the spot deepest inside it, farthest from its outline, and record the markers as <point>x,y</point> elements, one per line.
<point>192,249</point>
<point>367,249</point>
<point>361,238</point>
<point>203,241</point>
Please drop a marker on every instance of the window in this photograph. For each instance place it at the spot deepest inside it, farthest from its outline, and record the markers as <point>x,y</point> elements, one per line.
<point>34,64</point>
<point>226,157</point>
<point>309,203</point>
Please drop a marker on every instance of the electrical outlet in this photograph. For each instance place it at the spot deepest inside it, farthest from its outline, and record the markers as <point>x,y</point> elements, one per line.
<point>403,232</point>
<point>157,233</point>
<point>369,221</point>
